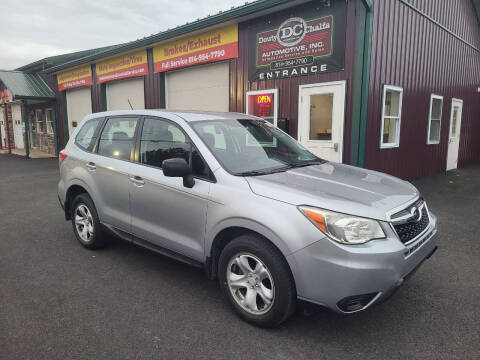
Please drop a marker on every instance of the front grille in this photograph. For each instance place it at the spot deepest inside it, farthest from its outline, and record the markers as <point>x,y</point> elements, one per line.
<point>412,227</point>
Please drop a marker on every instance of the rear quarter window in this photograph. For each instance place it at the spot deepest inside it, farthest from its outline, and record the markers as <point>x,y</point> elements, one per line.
<point>87,135</point>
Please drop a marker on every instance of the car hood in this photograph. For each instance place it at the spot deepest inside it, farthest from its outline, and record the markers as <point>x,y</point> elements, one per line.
<point>337,187</point>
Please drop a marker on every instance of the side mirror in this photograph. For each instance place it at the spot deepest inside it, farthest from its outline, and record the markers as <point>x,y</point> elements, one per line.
<point>178,167</point>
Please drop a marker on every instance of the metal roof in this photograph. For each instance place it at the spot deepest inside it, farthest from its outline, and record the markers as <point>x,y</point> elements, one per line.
<point>63,58</point>
<point>211,20</point>
<point>26,86</point>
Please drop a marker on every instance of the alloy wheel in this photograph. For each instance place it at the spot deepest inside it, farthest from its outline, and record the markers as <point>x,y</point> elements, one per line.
<point>250,283</point>
<point>84,223</point>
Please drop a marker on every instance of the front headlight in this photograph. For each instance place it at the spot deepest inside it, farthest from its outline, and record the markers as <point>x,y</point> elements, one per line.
<point>345,229</point>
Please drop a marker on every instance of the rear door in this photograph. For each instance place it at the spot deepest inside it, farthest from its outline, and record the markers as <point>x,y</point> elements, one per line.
<point>109,166</point>
<point>164,212</point>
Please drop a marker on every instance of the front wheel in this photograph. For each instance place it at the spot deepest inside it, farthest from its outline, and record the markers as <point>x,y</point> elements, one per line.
<point>257,281</point>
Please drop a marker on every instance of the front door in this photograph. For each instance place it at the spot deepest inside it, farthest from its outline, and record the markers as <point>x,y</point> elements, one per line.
<point>3,134</point>
<point>454,134</point>
<point>17,126</point>
<point>321,117</point>
<point>164,211</point>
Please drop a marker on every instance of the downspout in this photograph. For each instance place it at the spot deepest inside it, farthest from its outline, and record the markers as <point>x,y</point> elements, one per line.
<point>360,82</point>
<point>367,47</point>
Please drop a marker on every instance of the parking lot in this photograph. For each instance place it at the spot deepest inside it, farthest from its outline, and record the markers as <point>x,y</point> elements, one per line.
<point>60,301</point>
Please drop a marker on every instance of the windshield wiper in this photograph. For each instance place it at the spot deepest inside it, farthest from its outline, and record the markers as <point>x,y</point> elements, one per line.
<point>308,163</point>
<point>264,172</point>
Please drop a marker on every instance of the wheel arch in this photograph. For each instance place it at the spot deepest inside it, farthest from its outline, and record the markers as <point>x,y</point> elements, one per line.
<point>229,231</point>
<point>75,188</point>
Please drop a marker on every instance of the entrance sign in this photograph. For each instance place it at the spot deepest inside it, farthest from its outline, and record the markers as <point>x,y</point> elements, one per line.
<point>78,77</point>
<point>212,46</point>
<point>311,41</point>
<point>122,67</point>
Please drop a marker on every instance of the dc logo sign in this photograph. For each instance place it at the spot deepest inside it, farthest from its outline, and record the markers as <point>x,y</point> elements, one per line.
<point>291,31</point>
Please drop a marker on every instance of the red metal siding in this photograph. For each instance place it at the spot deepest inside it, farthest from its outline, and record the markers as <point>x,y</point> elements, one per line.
<point>96,92</point>
<point>410,51</point>
<point>288,88</point>
<point>152,85</point>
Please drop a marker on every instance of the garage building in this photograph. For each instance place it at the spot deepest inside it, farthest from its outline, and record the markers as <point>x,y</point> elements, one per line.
<point>391,85</point>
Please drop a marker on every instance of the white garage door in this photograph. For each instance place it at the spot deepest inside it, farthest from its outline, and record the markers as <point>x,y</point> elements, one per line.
<point>121,92</point>
<point>79,104</point>
<point>203,87</point>
<point>17,126</point>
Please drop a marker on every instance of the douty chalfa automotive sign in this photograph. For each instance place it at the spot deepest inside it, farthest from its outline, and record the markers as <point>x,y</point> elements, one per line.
<point>310,42</point>
<point>215,45</point>
<point>122,67</point>
<point>78,77</point>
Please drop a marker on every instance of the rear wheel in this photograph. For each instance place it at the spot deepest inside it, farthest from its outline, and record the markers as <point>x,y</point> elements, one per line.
<point>86,225</point>
<point>256,279</point>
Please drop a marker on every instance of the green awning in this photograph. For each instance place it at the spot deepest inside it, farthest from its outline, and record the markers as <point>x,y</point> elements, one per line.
<point>26,86</point>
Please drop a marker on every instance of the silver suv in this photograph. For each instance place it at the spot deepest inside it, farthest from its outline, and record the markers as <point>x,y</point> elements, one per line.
<point>238,197</point>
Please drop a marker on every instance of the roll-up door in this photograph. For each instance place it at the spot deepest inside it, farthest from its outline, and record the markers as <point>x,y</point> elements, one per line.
<point>79,105</point>
<point>204,87</point>
<point>121,92</point>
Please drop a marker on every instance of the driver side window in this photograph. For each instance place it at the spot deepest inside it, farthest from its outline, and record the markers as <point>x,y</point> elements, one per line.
<point>161,140</point>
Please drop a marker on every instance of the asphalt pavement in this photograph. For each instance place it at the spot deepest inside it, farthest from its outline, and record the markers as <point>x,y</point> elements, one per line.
<point>61,301</point>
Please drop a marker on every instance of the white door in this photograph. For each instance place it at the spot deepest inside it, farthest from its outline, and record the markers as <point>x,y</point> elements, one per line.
<point>123,93</point>
<point>3,137</point>
<point>79,105</point>
<point>17,126</point>
<point>454,134</point>
<point>203,87</point>
<point>321,114</point>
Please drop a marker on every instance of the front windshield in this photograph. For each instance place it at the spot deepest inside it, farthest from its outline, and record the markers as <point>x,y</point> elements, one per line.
<point>252,147</point>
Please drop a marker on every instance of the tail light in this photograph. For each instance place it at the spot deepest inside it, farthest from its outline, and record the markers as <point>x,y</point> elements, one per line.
<point>62,156</point>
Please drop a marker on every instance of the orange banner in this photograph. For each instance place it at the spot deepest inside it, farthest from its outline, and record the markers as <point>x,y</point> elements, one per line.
<point>215,45</point>
<point>5,96</point>
<point>78,77</point>
<point>122,67</point>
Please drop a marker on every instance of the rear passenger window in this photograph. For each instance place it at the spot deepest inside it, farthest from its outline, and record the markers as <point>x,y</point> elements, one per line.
<point>117,137</point>
<point>87,135</point>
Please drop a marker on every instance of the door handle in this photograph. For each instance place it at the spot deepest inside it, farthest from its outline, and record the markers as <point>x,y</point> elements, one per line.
<point>91,166</point>
<point>335,147</point>
<point>137,181</point>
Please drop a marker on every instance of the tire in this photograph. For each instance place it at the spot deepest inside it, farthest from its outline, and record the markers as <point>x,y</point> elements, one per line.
<point>252,252</point>
<point>95,239</point>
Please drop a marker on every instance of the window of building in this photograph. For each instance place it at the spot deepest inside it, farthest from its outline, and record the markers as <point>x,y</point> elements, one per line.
<point>86,135</point>
<point>435,119</point>
<point>49,117</point>
<point>41,126</point>
<point>391,116</point>
<point>162,140</point>
<point>264,104</point>
<point>116,140</point>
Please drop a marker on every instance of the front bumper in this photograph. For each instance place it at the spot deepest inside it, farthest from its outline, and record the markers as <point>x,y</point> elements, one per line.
<point>335,275</point>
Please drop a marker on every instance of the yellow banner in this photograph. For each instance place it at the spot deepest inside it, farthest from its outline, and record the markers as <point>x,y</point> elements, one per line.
<point>129,65</point>
<point>212,39</point>
<point>80,76</point>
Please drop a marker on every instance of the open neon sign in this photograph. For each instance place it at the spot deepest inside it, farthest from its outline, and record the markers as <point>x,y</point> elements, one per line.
<point>264,99</point>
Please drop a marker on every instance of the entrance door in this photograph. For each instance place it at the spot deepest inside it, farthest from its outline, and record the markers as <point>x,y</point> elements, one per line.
<point>321,117</point>
<point>3,134</point>
<point>17,126</point>
<point>454,133</point>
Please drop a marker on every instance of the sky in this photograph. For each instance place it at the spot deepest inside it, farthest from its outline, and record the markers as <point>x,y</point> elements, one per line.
<point>33,30</point>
